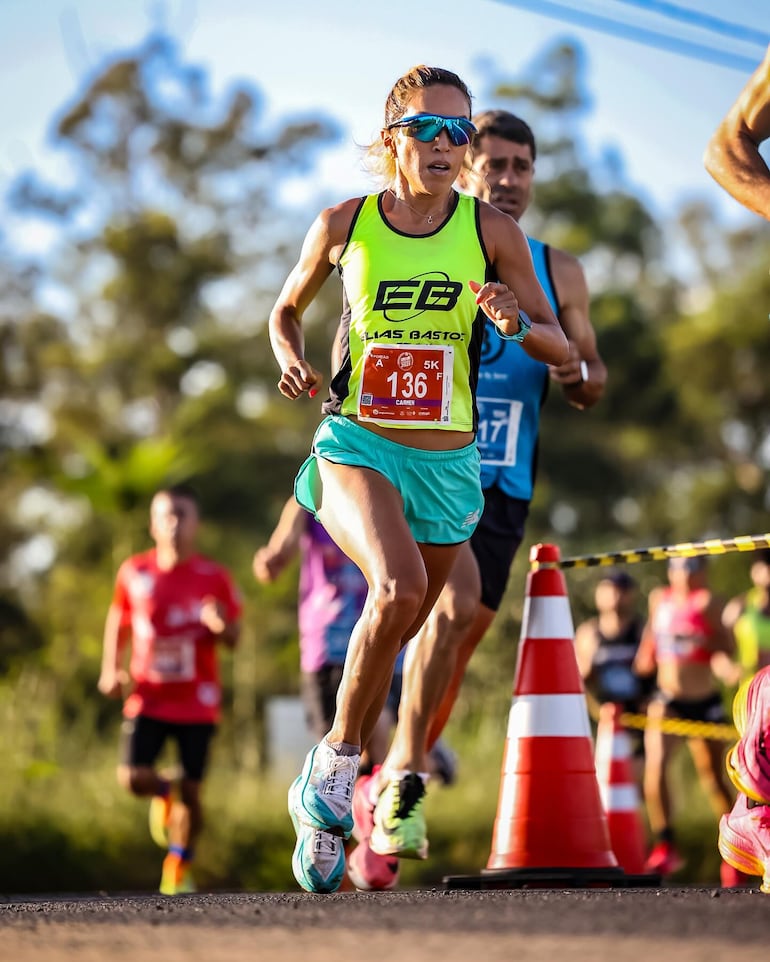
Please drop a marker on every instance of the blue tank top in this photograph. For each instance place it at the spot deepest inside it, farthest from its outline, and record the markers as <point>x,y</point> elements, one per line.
<point>511,390</point>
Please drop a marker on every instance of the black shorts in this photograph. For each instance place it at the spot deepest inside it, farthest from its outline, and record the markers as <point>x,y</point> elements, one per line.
<point>142,739</point>
<point>318,690</point>
<point>708,709</point>
<point>496,541</point>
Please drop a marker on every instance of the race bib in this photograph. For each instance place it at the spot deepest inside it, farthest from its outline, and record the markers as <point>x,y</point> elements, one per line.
<point>171,659</point>
<point>406,384</point>
<point>498,433</point>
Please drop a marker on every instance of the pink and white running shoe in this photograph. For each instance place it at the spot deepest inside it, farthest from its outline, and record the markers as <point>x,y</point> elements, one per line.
<point>744,839</point>
<point>363,805</point>
<point>370,872</point>
<point>748,762</point>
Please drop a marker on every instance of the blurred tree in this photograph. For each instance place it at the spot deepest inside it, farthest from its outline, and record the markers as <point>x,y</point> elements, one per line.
<point>171,231</point>
<point>678,447</point>
<point>135,352</point>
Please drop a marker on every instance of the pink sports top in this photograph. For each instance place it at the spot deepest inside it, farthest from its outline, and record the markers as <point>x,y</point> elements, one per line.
<point>682,632</point>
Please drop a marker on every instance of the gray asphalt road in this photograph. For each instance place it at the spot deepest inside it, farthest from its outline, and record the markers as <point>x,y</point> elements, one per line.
<point>620,925</point>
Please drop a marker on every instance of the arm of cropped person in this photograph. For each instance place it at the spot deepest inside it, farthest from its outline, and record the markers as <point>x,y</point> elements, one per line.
<point>732,154</point>
<point>584,374</point>
<point>270,560</point>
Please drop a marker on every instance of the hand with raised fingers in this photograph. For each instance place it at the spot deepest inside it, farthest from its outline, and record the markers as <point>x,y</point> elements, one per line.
<point>499,303</point>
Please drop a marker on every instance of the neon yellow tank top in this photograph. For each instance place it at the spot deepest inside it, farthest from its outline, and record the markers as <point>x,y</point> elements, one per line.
<point>752,631</point>
<point>412,331</point>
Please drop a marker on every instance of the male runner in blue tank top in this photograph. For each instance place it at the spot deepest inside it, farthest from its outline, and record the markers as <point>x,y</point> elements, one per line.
<point>512,388</point>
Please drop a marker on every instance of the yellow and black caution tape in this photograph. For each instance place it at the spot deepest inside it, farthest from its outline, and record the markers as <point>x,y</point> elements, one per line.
<point>714,731</point>
<point>681,726</point>
<point>687,549</point>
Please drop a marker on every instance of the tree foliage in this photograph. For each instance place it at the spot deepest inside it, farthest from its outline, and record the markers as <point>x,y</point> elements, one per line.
<point>135,353</point>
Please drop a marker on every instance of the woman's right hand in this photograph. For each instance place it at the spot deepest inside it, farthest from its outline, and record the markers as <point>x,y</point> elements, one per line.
<point>298,378</point>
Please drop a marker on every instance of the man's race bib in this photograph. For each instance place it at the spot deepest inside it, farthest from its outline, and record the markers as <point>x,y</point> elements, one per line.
<point>406,384</point>
<point>498,432</point>
<point>171,659</point>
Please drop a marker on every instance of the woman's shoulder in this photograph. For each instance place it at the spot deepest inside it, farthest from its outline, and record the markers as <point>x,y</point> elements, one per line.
<point>332,226</point>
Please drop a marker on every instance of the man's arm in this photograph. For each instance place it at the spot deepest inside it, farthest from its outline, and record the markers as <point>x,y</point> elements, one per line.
<point>732,155</point>
<point>283,545</point>
<point>584,374</point>
<point>116,638</point>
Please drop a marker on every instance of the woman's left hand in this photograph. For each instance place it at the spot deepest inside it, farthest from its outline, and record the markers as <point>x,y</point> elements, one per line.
<point>499,303</point>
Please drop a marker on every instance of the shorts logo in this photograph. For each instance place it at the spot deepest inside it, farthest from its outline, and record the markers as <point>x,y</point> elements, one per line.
<point>473,517</point>
<point>402,300</point>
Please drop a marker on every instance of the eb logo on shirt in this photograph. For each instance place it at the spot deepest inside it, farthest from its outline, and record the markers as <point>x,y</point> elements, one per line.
<point>409,298</point>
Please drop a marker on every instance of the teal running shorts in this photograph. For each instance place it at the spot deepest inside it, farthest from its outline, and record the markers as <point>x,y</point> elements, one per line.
<point>441,490</point>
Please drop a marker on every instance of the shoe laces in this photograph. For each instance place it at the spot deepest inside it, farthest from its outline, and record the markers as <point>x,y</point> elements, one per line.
<point>324,843</point>
<point>409,795</point>
<point>339,777</point>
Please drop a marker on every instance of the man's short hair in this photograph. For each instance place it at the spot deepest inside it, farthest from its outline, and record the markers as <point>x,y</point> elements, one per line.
<point>502,123</point>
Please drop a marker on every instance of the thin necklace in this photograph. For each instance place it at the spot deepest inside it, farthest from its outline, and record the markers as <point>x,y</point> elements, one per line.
<point>428,217</point>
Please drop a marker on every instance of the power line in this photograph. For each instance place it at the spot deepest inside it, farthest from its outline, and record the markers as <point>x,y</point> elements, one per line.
<point>650,38</point>
<point>716,25</point>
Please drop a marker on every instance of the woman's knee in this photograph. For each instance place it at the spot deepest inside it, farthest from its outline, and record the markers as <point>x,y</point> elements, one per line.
<point>396,601</point>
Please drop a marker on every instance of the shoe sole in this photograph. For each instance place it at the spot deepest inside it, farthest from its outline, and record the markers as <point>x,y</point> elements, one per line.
<point>382,844</point>
<point>317,886</point>
<point>739,858</point>
<point>741,721</point>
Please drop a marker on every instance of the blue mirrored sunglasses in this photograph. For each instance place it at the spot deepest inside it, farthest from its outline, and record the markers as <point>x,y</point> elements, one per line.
<point>426,127</point>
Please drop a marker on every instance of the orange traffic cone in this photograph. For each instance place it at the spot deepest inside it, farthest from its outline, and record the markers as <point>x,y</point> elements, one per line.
<point>549,813</point>
<point>618,790</point>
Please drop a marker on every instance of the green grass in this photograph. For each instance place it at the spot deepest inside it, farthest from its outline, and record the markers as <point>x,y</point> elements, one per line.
<point>68,827</point>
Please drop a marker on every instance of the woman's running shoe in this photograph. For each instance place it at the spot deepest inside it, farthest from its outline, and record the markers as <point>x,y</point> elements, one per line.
<point>744,839</point>
<point>748,763</point>
<point>370,872</point>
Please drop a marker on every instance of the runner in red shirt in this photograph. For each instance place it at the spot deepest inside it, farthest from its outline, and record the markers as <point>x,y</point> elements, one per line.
<point>171,607</point>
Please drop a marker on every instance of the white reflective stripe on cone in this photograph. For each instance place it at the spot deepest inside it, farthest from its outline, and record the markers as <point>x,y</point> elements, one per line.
<point>550,716</point>
<point>619,745</point>
<point>547,617</point>
<point>619,798</point>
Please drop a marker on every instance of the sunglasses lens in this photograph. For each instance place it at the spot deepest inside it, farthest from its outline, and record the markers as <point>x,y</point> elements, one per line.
<point>460,132</point>
<point>427,129</point>
<point>424,129</point>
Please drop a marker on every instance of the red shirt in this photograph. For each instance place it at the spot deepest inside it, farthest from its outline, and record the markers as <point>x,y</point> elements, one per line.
<point>174,664</point>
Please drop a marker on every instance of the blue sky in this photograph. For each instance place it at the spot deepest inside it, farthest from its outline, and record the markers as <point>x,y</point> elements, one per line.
<point>656,107</point>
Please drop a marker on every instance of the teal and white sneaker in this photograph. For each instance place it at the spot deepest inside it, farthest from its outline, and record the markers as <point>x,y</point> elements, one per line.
<point>399,821</point>
<point>322,796</point>
<point>318,861</point>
